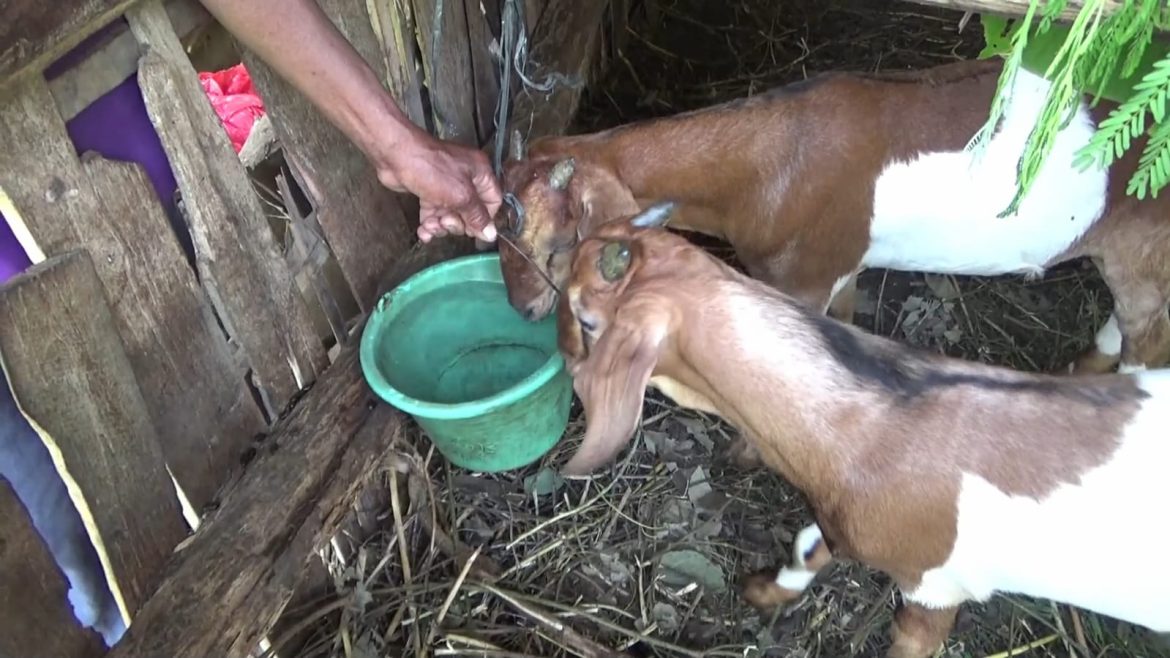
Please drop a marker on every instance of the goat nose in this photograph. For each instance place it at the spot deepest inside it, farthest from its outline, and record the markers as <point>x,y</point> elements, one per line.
<point>530,313</point>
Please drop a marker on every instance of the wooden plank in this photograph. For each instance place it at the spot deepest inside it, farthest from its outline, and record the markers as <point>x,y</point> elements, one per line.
<point>367,225</point>
<point>109,66</point>
<point>35,616</point>
<point>446,58</point>
<point>260,145</point>
<point>533,10</point>
<point>227,587</point>
<point>254,511</point>
<point>235,250</point>
<point>34,33</point>
<point>198,400</point>
<point>565,43</point>
<point>71,378</point>
<point>484,69</point>
<point>314,253</point>
<point>393,24</point>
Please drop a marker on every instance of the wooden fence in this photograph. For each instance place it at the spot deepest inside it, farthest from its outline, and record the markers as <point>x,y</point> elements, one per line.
<point>151,380</point>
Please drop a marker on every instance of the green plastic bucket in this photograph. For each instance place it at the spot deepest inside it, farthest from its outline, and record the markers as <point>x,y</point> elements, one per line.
<point>487,386</point>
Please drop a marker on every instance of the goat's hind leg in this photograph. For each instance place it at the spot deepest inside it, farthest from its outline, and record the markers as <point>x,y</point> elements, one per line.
<point>843,300</point>
<point>1145,337</point>
<point>1105,353</point>
<point>1137,334</point>
<point>919,631</point>
<point>810,554</point>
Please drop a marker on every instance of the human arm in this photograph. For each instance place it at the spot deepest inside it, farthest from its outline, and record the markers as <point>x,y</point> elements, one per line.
<point>457,190</point>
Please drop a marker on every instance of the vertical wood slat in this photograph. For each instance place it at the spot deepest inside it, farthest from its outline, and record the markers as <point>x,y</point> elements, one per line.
<point>33,33</point>
<point>484,69</point>
<point>109,65</point>
<point>446,59</point>
<point>566,44</point>
<point>35,616</point>
<point>71,378</point>
<point>239,571</point>
<point>393,25</point>
<point>533,10</point>
<point>236,252</point>
<point>199,403</point>
<point>367,225</point>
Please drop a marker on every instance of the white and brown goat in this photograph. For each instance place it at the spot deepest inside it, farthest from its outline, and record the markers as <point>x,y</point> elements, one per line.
<point>814,181</point>
<point>958,479</point>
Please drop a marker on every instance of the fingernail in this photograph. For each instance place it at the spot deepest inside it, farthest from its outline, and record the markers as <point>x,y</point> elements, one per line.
<point>489,232</point>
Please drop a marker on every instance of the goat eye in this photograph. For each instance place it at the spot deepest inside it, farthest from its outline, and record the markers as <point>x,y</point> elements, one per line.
<point>614,260</point>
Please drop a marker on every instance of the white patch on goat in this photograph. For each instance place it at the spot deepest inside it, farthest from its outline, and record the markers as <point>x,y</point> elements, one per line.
<point>797,576</point>
<point>937,212</point>
<point>1042,548</point>
<point>1131,368</point>
<point>1109,337</point>
<point>682,395</point>
<point>838,285</point>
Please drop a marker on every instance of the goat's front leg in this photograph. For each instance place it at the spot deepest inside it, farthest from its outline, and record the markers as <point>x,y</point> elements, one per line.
<point>918,631</point>
<point>843,299</point>
<point>1137,334</point>
<point>810,554</point>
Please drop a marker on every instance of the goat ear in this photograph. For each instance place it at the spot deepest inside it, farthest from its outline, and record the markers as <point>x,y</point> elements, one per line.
<point>599,207</point>
<point>655,216</point>
<point>612,385</point>
<point>570,339</point>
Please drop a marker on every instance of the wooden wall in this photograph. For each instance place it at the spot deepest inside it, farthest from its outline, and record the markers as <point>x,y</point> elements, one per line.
<point>141,371</point>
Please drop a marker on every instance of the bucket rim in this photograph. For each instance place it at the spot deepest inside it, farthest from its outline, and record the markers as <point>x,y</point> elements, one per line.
<point>383,313</point>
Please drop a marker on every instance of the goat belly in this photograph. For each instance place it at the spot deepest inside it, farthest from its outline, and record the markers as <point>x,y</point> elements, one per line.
<point>938,212</point>
<point>1100,543</point>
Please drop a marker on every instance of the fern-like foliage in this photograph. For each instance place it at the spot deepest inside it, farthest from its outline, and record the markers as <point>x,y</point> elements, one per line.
<point>1100,55</point>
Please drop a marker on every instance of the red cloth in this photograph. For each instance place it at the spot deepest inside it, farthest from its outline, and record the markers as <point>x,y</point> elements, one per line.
<point>235,101</point>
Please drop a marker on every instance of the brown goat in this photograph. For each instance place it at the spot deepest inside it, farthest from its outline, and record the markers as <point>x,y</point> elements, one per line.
<point>958,479</point>
<point>814,181</point>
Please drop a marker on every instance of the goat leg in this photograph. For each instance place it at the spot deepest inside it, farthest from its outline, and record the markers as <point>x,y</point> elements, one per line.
<point>744,454</point>
<point>769,589</point>
<point>918,631</point>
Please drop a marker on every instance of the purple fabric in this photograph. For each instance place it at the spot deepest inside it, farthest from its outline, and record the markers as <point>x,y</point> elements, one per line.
<point>13,260</point>
<point>118,127</point>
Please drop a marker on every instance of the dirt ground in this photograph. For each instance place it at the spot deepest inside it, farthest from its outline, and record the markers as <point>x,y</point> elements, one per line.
<point>646,560</point>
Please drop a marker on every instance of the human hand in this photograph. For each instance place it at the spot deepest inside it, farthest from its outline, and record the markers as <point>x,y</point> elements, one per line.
<point>457,190</point>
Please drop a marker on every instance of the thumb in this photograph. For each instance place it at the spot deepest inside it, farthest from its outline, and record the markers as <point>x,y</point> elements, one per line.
<point>478,221</point>
<point>487,188</point>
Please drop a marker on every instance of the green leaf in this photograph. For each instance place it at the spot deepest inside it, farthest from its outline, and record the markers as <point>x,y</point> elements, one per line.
<point>681,568</point>
<point>1113,57</point>
<point>543,482</point>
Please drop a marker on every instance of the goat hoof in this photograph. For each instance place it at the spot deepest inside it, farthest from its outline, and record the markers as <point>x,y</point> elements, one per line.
<point>761,591</point>
<point>743,454</point>
<point>1093,363</point>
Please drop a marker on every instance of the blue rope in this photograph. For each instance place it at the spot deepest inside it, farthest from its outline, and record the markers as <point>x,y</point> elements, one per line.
<point>513,56</point>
